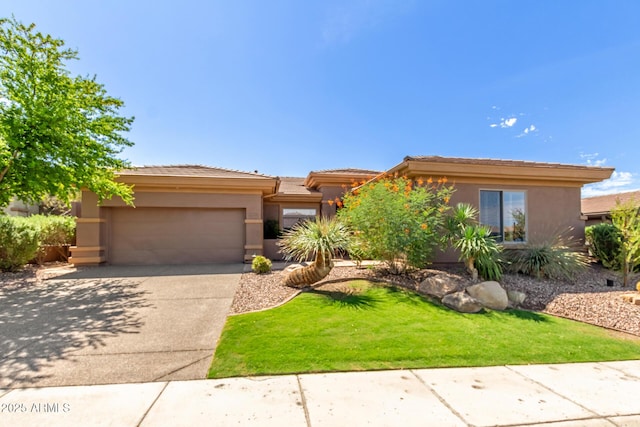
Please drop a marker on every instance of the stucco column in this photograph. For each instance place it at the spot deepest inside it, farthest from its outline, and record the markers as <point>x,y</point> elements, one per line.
<point>90,248</point>
<point>253,224</point>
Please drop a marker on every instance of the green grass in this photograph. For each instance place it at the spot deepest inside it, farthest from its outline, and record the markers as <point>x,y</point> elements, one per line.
<point>377,327</point>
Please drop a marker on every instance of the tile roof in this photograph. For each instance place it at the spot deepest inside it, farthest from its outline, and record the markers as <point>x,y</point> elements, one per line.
<point>603,204</point>
<point>294,185</point>
<point>191,170</point>
<point>497,162</point>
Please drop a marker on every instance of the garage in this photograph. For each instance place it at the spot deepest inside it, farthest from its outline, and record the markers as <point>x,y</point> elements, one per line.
<point>155,235</point>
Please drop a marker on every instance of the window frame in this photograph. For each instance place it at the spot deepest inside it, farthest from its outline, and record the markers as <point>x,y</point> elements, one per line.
<point>502,230</point>
<point>301,218</point>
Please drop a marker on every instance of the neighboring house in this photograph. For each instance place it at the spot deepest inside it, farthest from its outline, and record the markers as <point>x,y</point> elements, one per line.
<point>198,214</point>
<point>598,209</point>
<point>19,208</point>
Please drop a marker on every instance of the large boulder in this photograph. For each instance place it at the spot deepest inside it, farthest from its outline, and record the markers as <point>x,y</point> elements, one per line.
<point>440,285</point>
<point>462,302</point>
<point>490,295</point>
<point>516,298</point>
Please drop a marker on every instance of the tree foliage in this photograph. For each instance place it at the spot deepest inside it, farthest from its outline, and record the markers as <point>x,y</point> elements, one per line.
<point>626,218</point>
<point>58,133</point>
<point>398,220</point>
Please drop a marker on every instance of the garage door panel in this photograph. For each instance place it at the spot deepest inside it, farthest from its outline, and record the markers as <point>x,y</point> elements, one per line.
<point>176,235</point>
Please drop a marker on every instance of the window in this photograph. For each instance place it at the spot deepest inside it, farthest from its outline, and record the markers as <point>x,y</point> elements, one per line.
<point>292,216</point>
<point>505,213</point>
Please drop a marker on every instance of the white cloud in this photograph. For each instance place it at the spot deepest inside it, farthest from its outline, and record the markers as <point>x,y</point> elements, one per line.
<point>508,122</point>
<point>527,131</point>
<point>619,182</point>
<point>591,159</point>
<point>505,123</point>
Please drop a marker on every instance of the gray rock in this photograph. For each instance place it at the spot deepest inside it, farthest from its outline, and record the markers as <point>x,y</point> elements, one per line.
<point>462,302</point>
<point>516,298</point>
<point>490,295</point>
<point>439,286</point>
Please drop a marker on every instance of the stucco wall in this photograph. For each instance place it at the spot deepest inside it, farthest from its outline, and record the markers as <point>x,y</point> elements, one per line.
<point>549,211</point>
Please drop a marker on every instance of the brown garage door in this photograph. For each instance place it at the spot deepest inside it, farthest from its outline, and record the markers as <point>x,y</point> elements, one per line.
<point>176,236</point>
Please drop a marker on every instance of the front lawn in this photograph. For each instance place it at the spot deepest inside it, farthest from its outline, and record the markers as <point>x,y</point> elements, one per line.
<point>369,327</point>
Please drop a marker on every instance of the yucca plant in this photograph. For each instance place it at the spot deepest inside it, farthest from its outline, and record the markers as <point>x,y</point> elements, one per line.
<point>478,250</point>
<point>318,239</point>
<point>556,257</point>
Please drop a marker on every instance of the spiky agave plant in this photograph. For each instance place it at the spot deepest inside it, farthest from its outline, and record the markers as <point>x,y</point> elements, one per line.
<point>318,239</point>
<point>556,257</point>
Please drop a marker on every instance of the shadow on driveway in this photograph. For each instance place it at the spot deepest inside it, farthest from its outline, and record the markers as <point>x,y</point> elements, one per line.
<point>114,324</point>
<point>45,322</point>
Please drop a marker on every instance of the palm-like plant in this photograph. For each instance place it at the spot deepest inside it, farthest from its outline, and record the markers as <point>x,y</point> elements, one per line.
<point>318,239</point>
<point>478,250</point>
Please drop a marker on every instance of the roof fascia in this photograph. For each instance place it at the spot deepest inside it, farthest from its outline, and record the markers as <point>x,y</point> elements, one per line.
<point>300,198</point>
<point>473,172</point>
<point>266,186</point>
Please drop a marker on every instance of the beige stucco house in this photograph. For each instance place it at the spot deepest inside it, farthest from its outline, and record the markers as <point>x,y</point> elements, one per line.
<point>198,214</point>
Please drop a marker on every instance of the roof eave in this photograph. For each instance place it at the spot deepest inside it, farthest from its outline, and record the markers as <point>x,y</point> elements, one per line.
<point>471,171</point>
<point>264,185</point>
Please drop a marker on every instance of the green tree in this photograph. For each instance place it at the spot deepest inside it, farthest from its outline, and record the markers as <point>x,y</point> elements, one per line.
<point>318,239</point>
<point>58,133</point>
<point>626,218</point>
<point>399,221</point>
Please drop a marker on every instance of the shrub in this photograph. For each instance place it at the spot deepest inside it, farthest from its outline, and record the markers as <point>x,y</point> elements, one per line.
<point>604,244</point>
<point>554,258</point>
<point>400,220</point>
<point>260,265</point>
<point>18,242</point>
<point>626,218</point>
<point>52,230</point>
<point>357,250</point>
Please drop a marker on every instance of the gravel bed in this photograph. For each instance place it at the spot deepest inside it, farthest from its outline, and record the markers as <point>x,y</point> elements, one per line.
<point>586,298</point>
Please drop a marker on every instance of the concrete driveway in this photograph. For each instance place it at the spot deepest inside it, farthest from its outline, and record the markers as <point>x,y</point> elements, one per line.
<point>115,324</point>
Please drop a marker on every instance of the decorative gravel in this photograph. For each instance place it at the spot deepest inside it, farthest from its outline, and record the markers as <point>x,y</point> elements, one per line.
<point>587,298</point>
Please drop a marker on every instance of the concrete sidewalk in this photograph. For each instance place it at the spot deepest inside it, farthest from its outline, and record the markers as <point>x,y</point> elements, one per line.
<point>567,395</point>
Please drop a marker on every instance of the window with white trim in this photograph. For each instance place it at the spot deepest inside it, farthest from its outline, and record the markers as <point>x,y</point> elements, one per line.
<point>505,213</point>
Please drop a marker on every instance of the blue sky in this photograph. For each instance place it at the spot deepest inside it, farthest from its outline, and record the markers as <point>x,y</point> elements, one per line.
<point>288,86</point>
